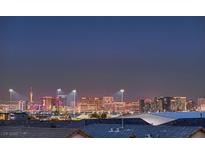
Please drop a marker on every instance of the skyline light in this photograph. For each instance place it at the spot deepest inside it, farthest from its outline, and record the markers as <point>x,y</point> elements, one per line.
<point>11,90</point>
<point>59,90</point>
<point>118,95</point>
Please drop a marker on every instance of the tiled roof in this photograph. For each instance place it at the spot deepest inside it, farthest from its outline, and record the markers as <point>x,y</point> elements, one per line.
<point>200,122</point>
<point>31,132</point>
<point>71,124</point>
<point>139,131</point>
<point>104,131</point>
<point>165,131</point>
<point>179,115</point>
<point>137,121</point>
<point>100,131</point>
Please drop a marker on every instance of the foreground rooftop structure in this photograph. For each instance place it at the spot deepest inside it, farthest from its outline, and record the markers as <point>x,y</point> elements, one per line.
<point>178,115</point>
<point>197,122</point>
<point>35,132</point>
<point>141,131</point>
<point>104,131</point>
<point>150,118</point>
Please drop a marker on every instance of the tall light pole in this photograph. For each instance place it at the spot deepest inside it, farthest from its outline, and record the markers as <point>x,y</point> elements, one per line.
<point>58,91</point>
<point>122,94</point>
<point>74,100</point>
<point>10,94</point>
<point>122,100</point>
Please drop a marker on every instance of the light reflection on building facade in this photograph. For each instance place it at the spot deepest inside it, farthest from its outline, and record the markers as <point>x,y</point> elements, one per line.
<point>201,104</point>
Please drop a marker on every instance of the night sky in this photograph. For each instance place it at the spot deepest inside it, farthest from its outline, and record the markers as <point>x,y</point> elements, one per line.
<point>147,56</point>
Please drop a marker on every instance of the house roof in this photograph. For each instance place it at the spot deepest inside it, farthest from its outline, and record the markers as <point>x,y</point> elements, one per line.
<point>179,115</point>
<point>70,124</point>
<point>101,131</point>
<point>35,132</point>
<point>200,122</point>
<point>139,131</point>
<point>137,121</point>
<point>49,124</point>
<point>151,118</point>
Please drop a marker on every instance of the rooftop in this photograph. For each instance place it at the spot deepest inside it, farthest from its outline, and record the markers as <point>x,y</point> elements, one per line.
<point>71,124</point>
<point>178,115</point>
<point>151,118</point>
<point>35,132</point>
<point>200,122</point>
<point>139,131</point>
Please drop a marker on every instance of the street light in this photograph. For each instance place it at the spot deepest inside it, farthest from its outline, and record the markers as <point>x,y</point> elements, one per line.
<point>10,94</point>
<point>122,97</point>
<point>58,91</point>
<point>74,99</point>
<point>122,94</point>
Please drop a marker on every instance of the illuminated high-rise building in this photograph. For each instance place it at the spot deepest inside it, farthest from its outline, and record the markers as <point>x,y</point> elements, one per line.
<point>141,105</point>
<point>47,102</point>
<point>31,95</point>
<point>201,104</point>
<point>169,104</point>
<point>89,104</point>
<point>179,104</point>
<point>50,103</point>
<point>108,99</point>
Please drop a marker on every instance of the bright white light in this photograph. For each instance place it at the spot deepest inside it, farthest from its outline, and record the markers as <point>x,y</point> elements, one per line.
<point>59,90</point>
<point>11,90</point>
<point>122,90</point>
<point>74,91</point>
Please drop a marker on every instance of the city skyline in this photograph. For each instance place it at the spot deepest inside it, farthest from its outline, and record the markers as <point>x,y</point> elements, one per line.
<point>147,56</point>
<point>118,96</point>
<point>62,104</point>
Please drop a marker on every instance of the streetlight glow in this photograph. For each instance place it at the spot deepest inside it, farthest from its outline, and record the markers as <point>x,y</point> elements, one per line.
<point>74,95</point>
<point>10,94</point>
<point>122,92</point>
<point>11,90</point>
<point>59,90</point>
<point>122,100</point>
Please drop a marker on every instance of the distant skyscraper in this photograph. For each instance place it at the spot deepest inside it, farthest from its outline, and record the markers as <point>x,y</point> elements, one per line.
<point>201,104</point>
<point>191,105</point>
<point>165,103</point>
<point>141,105</point>
<point>171,104</point>
<point>31,95</point>
<point>90,104</point>
<point>48,102</point>
<point>108,99</point>
<point>179,104</point>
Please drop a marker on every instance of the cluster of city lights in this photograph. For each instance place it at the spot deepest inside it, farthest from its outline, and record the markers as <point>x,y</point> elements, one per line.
<point>59,91</point>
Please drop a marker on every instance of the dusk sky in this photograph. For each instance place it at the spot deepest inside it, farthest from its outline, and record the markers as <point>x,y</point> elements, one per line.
<point>147,56</point>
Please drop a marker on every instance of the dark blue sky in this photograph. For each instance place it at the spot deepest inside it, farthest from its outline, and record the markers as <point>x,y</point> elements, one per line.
<point>147,56</point>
